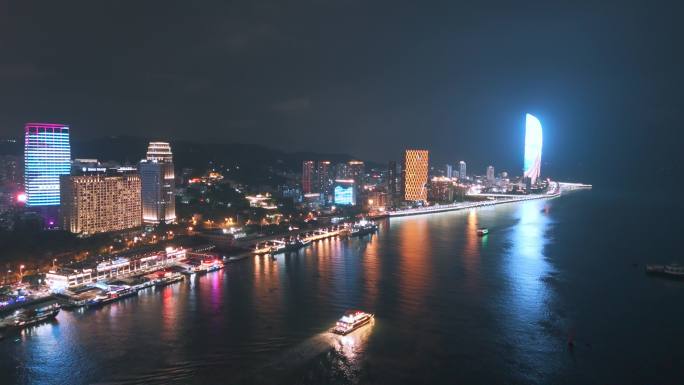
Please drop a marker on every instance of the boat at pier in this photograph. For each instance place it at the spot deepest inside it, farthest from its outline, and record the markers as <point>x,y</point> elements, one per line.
<point>289,246</point>
<point>115,294</point>
<point>674,270</point>
<point>31,317</point>
<point>169,280</point>
<point>350,321</point>
<point>362,228</point>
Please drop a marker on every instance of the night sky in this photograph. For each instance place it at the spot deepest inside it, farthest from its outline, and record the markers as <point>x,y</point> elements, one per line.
<point>368,78</point>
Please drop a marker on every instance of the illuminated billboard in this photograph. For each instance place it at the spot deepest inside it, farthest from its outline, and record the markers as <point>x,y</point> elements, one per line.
<point>533,148</point>
<point>344,193</point>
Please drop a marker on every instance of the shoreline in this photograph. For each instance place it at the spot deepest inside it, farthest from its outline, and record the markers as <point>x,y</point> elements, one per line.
<point>557,192</point>
<point>464,206</point>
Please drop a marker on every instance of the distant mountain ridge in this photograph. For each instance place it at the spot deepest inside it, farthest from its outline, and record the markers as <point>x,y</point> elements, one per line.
<point>252,159</point>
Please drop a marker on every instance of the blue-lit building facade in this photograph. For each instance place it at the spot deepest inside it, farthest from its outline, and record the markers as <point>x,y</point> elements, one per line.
<point>344,192</point>
<point>533,148</point>
<point>47,155</point>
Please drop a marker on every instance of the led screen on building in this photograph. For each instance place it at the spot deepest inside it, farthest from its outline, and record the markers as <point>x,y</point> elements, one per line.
<point>533,148</point>
<point>344,194</point>
<point>47,155</point>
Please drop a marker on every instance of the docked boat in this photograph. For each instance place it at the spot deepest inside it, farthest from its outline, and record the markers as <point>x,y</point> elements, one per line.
<point>289,246</point>
<point>350,321</point>
<point>674,270</point>
<point>277,249</point>
<point>31,317</point>
<point>304,243</point>
<point>482,231</point>
<point>363,227</point>
<point>214,266</point>
<point>112,296</point>
<point>169,279</point>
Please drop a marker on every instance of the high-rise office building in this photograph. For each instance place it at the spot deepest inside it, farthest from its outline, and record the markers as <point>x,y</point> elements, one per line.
<point>308,176</point>
<point>47,155</point>
<point>416,163</point>
<point>341,171</point>
<point>97,202</point>
<point>533,148</point>
<point>490,174</point>
<point>345,192</point>
<point>462,174</point>
<point>392,179</point>
<point>324,178</point>
<point>449,171</point>
<point>357,172</point>
<point>157,180</point>
<point>10,172</point>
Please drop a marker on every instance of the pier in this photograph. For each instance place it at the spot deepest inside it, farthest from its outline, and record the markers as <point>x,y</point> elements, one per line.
<point>264,246</point>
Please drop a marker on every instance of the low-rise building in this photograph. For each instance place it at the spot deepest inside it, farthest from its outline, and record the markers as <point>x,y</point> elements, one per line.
<point>68,278</point>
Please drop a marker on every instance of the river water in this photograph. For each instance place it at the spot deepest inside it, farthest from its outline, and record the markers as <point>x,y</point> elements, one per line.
<point>451,307</point>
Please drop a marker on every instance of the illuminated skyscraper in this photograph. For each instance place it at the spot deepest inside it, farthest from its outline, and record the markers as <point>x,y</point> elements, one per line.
<point>392,179</point>
<point>449,171</point>
<point>490,174</point>
<point>324,179</point>
<point>100,202</point>
<point>157,180</point>
<point>462,174</point>
<point>341,171</point>
<point>47,155</point>
<point>416,163</point>
<point>533,148</point>
<point>308,176</point>
<point>357,172</point>
<point>345,192</point>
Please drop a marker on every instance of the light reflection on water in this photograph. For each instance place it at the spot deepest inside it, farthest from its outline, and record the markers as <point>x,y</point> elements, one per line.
<point>451,307</point>
<point>528,297</point>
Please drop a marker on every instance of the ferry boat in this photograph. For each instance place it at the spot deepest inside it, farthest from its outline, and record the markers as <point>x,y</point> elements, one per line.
<point>350,321</point>
<point>171,278</point>
<point>362,228</point>
<point>674,270</point>
<point>214,266</point>
<point>113,295</point>
<point>482,231</point>
<point>34,316</point>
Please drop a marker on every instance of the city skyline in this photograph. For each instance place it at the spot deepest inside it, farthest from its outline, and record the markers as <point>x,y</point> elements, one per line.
<point>341,192</point>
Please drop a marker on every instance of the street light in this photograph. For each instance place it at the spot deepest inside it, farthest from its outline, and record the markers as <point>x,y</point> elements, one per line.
<point>21,272</point>
<point>53,262</point>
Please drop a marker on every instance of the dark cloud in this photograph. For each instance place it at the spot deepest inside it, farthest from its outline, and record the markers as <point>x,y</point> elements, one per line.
<point>366,78</point>
<point>293,105</point>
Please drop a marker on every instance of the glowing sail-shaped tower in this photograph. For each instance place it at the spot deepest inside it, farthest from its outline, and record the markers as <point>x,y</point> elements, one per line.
<point>533,148</point>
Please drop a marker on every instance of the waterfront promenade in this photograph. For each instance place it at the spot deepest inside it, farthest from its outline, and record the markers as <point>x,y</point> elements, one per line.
<point>495,199</point>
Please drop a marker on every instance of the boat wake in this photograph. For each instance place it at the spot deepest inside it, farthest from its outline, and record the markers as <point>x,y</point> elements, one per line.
<point>325,358</point>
